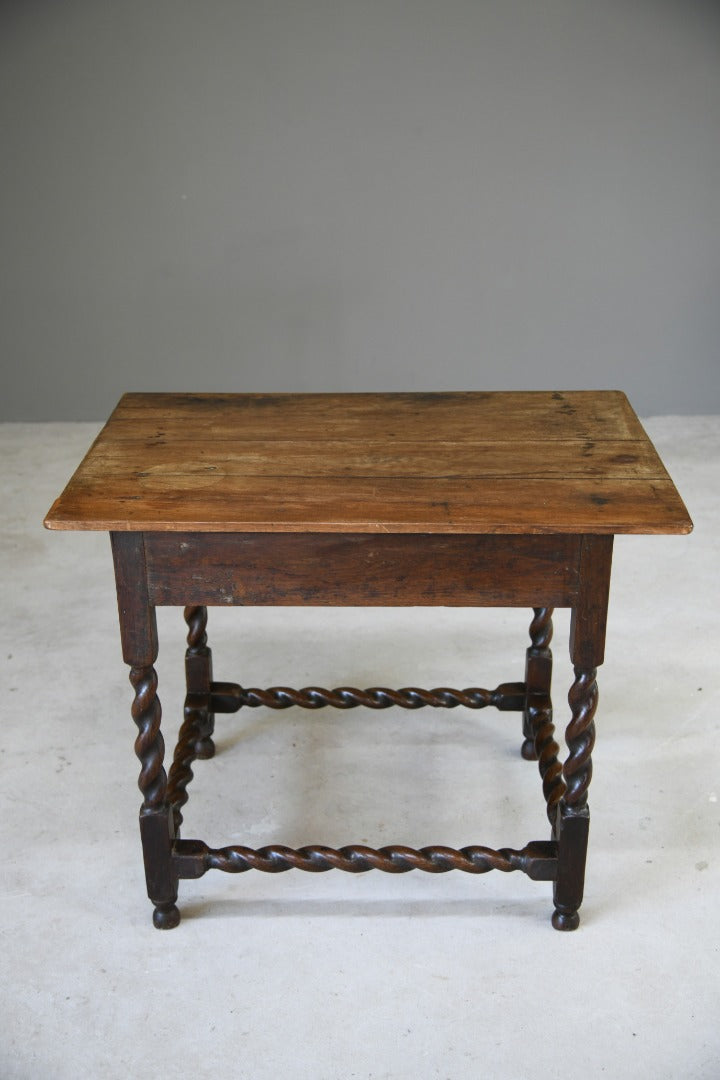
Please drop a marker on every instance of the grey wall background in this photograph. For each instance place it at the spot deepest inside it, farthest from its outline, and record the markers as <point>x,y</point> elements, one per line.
<point>358,194</point>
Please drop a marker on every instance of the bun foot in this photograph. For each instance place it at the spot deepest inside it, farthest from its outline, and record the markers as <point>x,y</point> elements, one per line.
<point>565,920</point>
<point>205,748</point>
<point>166,917</point>
<point>528,750</point>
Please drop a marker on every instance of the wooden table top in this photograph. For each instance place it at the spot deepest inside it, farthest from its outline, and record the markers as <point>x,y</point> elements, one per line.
<point>536,462</point>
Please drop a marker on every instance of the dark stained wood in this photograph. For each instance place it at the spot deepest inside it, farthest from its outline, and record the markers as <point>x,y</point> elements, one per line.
<point>573,816</point>
<point>510,463</point>
<point>199,675</point>
<point>277,568</point>
<point>138,625</point>
<point>587,650</point>
<point>161,878</point>
<point>588,622</point>
<point>538,677</point>
<point>229,697</point>
<point>572,837</point>
<point>138,634</point>
<point>538,859</point>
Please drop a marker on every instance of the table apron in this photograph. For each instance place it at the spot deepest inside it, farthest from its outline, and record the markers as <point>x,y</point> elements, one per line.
<point>362,569</point>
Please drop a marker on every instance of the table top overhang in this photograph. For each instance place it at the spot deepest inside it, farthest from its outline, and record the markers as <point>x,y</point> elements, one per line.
<point>480,463</point>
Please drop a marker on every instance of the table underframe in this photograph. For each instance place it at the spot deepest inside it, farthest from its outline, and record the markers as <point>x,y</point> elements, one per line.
<point>195,570</point>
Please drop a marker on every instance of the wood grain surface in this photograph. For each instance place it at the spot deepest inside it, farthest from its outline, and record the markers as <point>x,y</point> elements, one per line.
<point>476,463</point>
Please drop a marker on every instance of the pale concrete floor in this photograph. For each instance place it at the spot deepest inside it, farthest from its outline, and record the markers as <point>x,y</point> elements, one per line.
<point>333,976</point>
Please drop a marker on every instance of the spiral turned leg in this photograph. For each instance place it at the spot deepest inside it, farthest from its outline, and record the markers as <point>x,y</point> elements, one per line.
<point>573,819</point>
<point>538,676</point>
<point>198,675</point>
<point>155,818</point>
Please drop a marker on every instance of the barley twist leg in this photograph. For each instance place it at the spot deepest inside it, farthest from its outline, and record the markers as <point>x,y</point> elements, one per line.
<point>198,675</point>
<point>573,819</point>
<point>538,677</point>
<point>155,819</point>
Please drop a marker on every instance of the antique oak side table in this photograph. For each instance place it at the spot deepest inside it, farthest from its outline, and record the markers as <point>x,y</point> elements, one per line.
<point>464,499</point>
